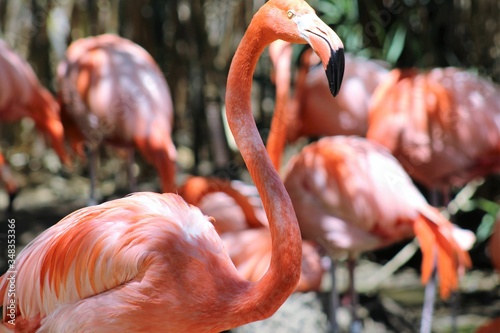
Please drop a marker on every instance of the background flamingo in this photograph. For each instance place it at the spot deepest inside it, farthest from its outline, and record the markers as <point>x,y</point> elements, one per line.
<point>335,189</point>
<point>152,262</point>
<point>113,91</point>
<point>352,196</point>
<point>22,95</point>
<point>244,229</point>
<point>443,125</point>
<point>312,111</point>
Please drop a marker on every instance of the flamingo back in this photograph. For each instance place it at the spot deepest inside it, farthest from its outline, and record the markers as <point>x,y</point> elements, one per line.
<point>118,256</point>
<point>443,125</point>
<point>352,179</point>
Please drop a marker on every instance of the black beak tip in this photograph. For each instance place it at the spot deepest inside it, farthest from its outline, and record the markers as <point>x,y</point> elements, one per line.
<point>335,71</point>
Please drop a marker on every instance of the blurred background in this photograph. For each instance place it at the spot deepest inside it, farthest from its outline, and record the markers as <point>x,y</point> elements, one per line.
<point>193,43</point>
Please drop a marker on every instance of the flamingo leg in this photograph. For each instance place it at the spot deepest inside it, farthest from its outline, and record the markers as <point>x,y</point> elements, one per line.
<point>356,325</point>
<point>430,287</point>
<point>92,158</point>
<point>454,298</point>
<point>130,171</point>
<point>429,299</point>
<point>334,298</point>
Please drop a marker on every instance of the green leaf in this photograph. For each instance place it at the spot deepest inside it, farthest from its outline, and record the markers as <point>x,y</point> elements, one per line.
<point>397,44</point>
<point>485,228</point>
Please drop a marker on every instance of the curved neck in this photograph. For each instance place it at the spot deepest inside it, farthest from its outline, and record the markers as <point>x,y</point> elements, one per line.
<point>263,298</point>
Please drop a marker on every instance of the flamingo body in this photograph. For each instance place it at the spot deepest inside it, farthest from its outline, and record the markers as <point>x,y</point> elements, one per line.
<point>353,196</point>
<point>319,113</point>
<point>312,111</point>
<point>105,265</point>
<point>113,91</point>
<point>443,125</point>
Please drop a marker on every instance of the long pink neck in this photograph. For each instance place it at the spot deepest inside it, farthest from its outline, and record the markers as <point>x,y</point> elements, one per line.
<point>265,296</point>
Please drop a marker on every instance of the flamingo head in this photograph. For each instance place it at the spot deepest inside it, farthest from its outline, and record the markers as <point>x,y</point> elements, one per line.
<point>295,21</point>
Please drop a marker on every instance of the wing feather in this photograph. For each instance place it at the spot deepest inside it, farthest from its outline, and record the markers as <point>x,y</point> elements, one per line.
<point>98,248</point>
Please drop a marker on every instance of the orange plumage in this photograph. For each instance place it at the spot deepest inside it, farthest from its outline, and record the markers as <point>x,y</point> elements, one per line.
<point>443,125</point>
<point>22,95</point>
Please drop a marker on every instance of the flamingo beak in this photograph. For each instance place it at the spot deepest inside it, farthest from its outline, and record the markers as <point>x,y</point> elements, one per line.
<point>327,45</point>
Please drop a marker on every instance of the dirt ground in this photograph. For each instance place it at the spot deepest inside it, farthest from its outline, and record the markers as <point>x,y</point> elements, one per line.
<point>393,306</point>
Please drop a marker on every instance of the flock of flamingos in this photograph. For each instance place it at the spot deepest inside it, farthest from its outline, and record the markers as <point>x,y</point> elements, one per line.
<point>154,262</point>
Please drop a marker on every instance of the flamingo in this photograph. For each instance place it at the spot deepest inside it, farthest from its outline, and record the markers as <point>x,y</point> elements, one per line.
<point>112,91</point>
<point>244,231</point>
<point>352,196</point>
<point>151,262</point>
<point>312,111</point>
<point>22,95</point>
<point>443,125</point>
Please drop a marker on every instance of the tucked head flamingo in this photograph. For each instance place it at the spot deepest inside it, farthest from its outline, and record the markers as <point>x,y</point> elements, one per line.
<point>112,91</point>
<point>150,262</point>
<point>443,125</point>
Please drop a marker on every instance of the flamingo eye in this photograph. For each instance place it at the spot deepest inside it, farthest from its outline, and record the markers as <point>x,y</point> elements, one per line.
<point>290,14</point>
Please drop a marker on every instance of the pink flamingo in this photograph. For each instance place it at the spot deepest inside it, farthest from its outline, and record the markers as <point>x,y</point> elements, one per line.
<point>443,125</point>
<point>22,95</point>
<point>352,196</point>
<point>151,262</point>
<point>112,91</point>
